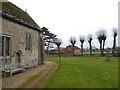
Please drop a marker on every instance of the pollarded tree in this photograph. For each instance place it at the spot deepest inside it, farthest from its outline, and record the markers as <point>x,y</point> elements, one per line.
<point>73,41</point>
<point>100,41</point>
<point>82,39</point>
<point>104,39</point>
<point>114,40</point>
<point>90,43</point>
<point>101,35</point>
<point>58,43</point>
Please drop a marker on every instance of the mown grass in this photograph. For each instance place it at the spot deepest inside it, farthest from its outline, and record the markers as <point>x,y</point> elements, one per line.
<point>84,72</point>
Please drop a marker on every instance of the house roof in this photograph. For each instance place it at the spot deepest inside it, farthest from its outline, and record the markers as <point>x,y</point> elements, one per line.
<point>70,47</point>
<point>14,13</point>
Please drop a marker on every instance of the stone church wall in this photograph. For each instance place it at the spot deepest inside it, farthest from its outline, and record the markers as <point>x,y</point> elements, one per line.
<point>17,34</point>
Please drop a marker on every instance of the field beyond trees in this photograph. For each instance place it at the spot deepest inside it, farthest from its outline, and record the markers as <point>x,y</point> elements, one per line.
<point>84,72</point>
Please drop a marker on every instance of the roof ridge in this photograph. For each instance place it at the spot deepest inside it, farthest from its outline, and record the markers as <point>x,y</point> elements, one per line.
<point>16,14</point>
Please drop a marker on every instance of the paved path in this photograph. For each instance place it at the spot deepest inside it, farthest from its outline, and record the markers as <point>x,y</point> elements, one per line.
<point>46,71</point>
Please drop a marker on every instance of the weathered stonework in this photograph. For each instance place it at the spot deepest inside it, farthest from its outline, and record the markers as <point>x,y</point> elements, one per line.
<point>17,34</point>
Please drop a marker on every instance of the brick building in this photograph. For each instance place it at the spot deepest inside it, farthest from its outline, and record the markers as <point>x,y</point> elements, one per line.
<point>69,50</point>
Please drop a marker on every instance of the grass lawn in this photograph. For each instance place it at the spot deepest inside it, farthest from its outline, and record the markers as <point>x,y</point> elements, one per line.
<point>84,72</point>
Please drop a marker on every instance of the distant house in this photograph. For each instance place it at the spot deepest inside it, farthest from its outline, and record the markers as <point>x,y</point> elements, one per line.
<point>69,50</point>
<point>55,51</point>
<point>21,41</point>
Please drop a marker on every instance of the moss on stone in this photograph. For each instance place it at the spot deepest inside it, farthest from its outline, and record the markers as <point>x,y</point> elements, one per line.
<point>16,13</point>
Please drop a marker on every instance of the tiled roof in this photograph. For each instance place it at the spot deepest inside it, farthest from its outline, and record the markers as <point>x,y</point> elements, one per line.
<point>14,13</point>
<point>70,46</point>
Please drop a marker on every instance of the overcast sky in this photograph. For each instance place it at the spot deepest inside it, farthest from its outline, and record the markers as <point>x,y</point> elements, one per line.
<point>67,18</point>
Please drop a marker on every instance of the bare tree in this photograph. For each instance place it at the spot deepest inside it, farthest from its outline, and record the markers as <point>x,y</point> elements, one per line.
<point>101,35</point>
<point>90,43</point>
<point>114,40</point>
<point>58,43</point>
<point>82,39</point>
<point>73,41</point>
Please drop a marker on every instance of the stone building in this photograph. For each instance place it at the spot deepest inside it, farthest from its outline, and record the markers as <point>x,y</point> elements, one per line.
<point>21,41</point>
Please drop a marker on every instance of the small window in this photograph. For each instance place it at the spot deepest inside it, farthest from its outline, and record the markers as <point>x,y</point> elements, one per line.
<point>1,45</point>
<point>4,46</point>
<point>28,39</point>
<point>7,46</point>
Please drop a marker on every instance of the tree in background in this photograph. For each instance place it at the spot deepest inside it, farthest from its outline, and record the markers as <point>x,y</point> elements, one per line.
<point>58,43</point>
<point>82,39</point>
<point>73,41</point>
<point>101,35</point>
<point>49,38</point>
<point>114,40</point>
<point>90,43</point>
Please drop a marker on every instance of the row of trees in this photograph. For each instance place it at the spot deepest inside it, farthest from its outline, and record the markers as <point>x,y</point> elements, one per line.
<point>101,36</point>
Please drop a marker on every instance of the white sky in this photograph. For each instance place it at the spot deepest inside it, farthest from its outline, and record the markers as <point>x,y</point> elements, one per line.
<point>67,18</point>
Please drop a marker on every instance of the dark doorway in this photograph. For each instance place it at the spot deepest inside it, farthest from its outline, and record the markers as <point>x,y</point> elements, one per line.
<point>17,58</point>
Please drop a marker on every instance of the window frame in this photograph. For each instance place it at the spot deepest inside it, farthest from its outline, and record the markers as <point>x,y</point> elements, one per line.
<point>5,48</point>
<point>2,45</point>
<point>27,41</point>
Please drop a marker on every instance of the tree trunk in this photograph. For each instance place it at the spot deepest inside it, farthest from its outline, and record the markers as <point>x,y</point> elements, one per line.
<point>82,49</point>
<point>90,48</point>
<point>114,44</point>
<point>103,47</point>
<point>48,48</point>
<point>73,49</point>
<point>59,54</point>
